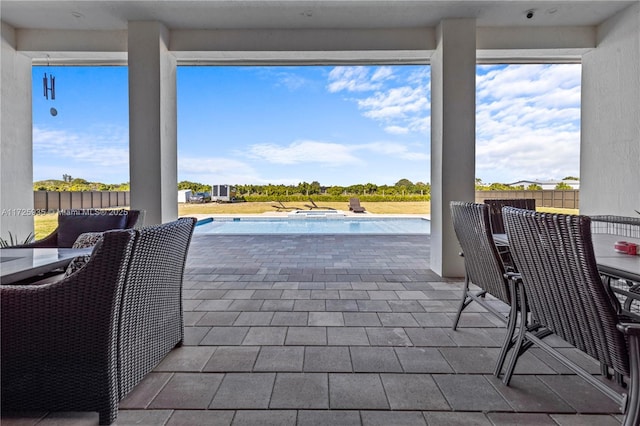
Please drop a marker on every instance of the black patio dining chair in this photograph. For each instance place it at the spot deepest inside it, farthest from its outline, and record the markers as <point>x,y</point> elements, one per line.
<point>560,286</point>
<point>483,267</point>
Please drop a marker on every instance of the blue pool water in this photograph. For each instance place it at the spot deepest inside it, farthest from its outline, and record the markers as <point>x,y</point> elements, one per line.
<point>313,225</point>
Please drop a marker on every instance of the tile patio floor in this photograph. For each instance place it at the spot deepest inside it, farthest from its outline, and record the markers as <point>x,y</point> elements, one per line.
<point>340,330</point>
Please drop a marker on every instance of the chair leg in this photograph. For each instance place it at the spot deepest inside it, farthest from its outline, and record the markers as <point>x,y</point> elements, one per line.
<point>463,303</point>
<point>511,328</point>
<point>517,349</point>
<point>632,414</point>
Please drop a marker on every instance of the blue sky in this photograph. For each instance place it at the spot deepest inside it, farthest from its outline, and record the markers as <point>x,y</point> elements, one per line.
<point>335,125</point>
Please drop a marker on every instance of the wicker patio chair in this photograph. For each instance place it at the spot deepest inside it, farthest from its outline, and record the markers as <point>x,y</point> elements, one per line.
<point>561,286</point>
<point>151,324</point>
<point>495,210</point>
<point>497,224</point>
<point>60,340</point>
<point>483,266</point>
<point>72,223</point>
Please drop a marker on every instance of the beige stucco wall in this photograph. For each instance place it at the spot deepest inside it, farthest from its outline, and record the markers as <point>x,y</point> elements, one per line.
<point>16,152</point>
<point>610,134</point>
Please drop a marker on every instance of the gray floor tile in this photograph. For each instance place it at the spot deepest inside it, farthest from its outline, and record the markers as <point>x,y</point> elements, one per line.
<point>342,305</point>
<point>233,359</point>
<point>471,360</point>
<point>138,417</point>
<point>200,417</point>
<point>328,418</point>
<point>524,419</point>
<point>470,393</point>
<point>188,391</point>
<point>306,336</point>
<point>374,359</point>
<point>301,391</point>
<point>327,359</point>
<point>456,419</point>
<point>347,336</point>
<point>388,336</point>
<point>254,318</point>
<point>225,336</point>
<point>142,395</point>
<point>422,360</point>
<point>397,319</point>
<point>584,420</point>
<point>274,358</point>
<point>395,418</point>
<point>361,319</point>
<point>265,336</point>
<point>265,418</point>
<point>432,337</point>
<point>413,392</point>
<point>290,318</point>
<point>277,305</point>
<point>186,358</point>
<point>244,391</point>
<point>218,318</point>
<point>326,319</point>
<point>356,391</point>
<point>579,394</point>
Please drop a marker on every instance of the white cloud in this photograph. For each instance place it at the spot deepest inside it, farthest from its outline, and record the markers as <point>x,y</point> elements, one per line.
<point>528,122</point>
<point>400,109</point>
<point>106,147</point>
<point>357,79</point>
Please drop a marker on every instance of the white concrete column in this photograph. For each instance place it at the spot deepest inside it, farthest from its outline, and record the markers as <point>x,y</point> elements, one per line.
<point>610,119</point>
<point>16,149</point>
<point>453,125</point>
<point>153,163</point>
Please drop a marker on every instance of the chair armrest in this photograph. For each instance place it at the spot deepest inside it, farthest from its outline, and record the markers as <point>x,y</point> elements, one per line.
<point>630,328</point>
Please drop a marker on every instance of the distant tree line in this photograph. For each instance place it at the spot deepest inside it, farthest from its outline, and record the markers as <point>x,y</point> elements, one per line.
<point>403,189</point>
<point>71,184</point>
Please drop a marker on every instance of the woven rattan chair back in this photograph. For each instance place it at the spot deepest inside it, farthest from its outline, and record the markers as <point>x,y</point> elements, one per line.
<point>495,210</point>
<point>151,320</point>
<point>564,292</point>
<point>482,262</point>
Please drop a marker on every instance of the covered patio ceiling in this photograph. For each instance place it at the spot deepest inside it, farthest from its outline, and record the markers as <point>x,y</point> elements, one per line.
<point>109,15</point>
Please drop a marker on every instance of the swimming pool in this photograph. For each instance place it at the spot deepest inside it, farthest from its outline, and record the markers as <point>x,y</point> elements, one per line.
<point>313,225</point>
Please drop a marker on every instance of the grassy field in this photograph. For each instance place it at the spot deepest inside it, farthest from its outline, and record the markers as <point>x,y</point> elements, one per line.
<point>45,224</point>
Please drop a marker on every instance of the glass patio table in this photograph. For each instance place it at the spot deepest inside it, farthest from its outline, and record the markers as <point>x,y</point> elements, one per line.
<point>19,264</point>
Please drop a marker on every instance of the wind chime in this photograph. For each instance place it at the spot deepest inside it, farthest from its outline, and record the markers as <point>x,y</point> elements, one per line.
<point>49,86</point>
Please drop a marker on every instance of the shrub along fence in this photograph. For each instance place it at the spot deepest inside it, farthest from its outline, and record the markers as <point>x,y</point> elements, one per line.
<point>51,201</point>
<point>563,199</point>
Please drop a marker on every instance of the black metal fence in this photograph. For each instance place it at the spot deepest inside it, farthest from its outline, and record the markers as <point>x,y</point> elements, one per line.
<point>563,199</point>
<point>61,200</point>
